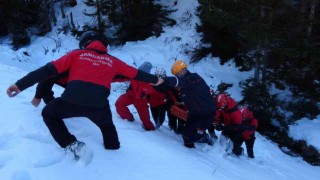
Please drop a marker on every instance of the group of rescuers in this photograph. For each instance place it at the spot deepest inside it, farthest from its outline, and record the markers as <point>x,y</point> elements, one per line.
<point>193,110</point>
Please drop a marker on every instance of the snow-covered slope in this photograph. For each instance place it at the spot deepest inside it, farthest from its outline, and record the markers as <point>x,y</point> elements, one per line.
<point>28,152</point>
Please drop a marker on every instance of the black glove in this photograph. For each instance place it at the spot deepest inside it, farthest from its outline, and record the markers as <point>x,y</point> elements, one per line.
<point>219,127</point>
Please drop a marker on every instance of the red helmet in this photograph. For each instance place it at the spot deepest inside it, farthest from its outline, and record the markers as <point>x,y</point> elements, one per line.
<point>222,101</point>
<point>246,113</point>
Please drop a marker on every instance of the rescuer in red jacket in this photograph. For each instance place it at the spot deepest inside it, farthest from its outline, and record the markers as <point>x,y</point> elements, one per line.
<point>136,95</point>
<point>250,125</point>
<point>229,120</point>
<point>91,71</point>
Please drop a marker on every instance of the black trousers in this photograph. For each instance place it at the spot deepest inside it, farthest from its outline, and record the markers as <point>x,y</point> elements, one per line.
<point>195,127</point>
<point>57,110</point>
<point>158,114</point>
<point>249,146</point>
<point>172,120</point>
<point>235,137</point>
<point>175,123</point>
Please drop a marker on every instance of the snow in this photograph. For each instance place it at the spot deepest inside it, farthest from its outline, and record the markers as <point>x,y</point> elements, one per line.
<point>308,130</point>
<point>28,152</point>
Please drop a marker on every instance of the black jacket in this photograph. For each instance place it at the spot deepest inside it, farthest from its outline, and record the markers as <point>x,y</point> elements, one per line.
<point>44,88</point>
<point>195,93</point>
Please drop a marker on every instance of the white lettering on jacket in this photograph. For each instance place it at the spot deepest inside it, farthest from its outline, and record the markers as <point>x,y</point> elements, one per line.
<point>96,60</point>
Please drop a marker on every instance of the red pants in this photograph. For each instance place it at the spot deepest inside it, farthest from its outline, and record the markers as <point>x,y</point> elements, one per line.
<point>141,105</point>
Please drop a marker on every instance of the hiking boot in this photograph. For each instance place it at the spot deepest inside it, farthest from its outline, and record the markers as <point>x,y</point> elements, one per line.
<point>189,145</point>
<point>179,130</point>
<point>211,142</point>
<point>213,136</point>
<point>172,127</point>
<point>131,120</point>
<point>158,126</point>
<point>77,148</point>
<point>204,138</point>
<point>250,155</point>
<point>238,151</point>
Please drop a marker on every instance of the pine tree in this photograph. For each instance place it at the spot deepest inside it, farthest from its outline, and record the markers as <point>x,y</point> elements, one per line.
<point>129,20</point>
<point>17,16</point>
<point>278,38</point>
<point>14,18</point>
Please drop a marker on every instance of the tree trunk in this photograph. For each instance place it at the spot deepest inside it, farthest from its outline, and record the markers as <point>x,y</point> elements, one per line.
<point>300,18</point>
<point>99,19</point>
<point>259,50</point>
<point>62,10</point>
<point>73,27</point>
<point>52,12</point>
<point>313,7</point>
<point>44,23</point>
<point>113,7</point>
<point>124,10</point>
<point>257,65</point>
<point>264,62</point>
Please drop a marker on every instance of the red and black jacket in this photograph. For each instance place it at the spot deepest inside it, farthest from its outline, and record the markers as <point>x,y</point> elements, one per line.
<point>91,72</point>
<point>138,89</point>
<point>45,86</point>
<point>229,116</point>
<point>251,126</point>
<point>163,95</point>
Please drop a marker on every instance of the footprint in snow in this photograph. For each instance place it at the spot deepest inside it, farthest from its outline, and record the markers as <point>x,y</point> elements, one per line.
<point>21,175</point>
<point>8,141</point>
<point>48,161</point>
<point>4,160</point>
<point>39,137</point>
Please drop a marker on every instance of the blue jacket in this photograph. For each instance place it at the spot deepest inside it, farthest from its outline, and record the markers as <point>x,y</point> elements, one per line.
<point>195,93</point>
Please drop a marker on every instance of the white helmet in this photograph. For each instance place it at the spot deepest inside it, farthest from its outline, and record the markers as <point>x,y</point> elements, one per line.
<point>160,72</point>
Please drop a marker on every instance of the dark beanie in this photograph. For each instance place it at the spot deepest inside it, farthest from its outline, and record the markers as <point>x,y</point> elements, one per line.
<point>146,67</point>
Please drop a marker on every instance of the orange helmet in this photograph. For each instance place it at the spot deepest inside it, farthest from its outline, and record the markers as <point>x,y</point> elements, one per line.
<point>178,66</point>
<point>246,113</point>
<point>222,101</point>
